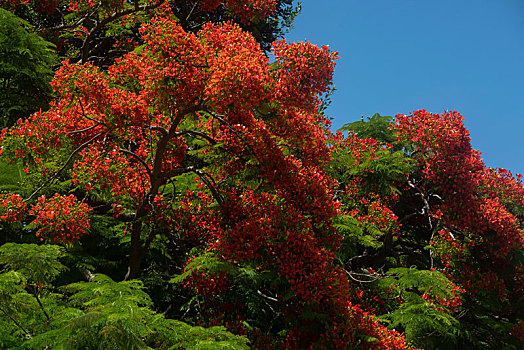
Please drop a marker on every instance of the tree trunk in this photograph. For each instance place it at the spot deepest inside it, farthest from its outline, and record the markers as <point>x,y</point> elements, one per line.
<point>136,251</point>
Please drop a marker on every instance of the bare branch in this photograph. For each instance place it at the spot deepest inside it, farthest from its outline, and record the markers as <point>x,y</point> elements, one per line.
<point>86,116</point>
<point>192,9</point>
<point>266,297</point>
<point>40,304</point>
<point>75,24</point>
<point>15,322</point>
<point>158,129</point>
<point>373,278</point>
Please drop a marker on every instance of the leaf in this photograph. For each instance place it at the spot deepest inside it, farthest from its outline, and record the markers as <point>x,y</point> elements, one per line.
<point>207,262</point>
<point>36,263</point>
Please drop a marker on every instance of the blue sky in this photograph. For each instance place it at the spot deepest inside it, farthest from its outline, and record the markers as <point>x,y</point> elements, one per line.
<point>401,55</point>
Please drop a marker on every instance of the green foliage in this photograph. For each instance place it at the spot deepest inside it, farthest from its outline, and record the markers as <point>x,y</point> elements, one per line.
<point>179,335</point>
<point>353,235</point>
<point>425,281</point>
<point>381,168</point>
<point>10,176</point>
<point>36,263</point>
<point>423,322</point>
<point>206,262</point>
<point>99,313</point>
<point>381,172</point>
<point>377,127</point>
<point>25,69</point>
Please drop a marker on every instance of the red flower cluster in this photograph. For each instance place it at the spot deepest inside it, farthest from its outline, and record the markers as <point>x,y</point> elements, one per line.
<point>115,173</point>
<point>12,207</point>
<point>210,104</point>
<point>480,232</point>
<point>373,212</point>
<point>450,304</point>
<point>62,219</point>
<point>304,71</point>
<point>246,10</point>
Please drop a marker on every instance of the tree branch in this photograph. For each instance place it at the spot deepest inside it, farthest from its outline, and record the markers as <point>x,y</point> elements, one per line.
<point>140,160</point>
<point>196,133</point>
<point>212,186</point>
<point>40,303</point>
<point>98,122</point>
<point>112,17</point>
<point>67,162</point>
<point>15,322</point>
<point>222,121</point>
<point>83,130</point>
<point>159,129</point>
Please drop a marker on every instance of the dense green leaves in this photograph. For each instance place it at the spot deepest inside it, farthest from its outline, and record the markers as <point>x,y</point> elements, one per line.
<point>26,62</point>
<point>36,263</point>
<point>376,127</point>
<point>98,313</point>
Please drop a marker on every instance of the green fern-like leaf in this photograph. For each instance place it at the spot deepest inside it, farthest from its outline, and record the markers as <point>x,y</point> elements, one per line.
<point>35,262</point>
<point>207,262</point>
<point>425,281</point>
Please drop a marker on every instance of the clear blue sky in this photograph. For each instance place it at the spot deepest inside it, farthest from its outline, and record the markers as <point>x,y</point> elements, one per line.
<point>401,55</point>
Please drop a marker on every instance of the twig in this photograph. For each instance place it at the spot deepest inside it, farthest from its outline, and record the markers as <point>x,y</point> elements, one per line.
<point>204,177</point>
<point>350,274</point>
<point>83,130</point>
<point>196,133</point>
<point>221,119</point>
<point>112,17</point>
<point>15,322</point>
<point>140,160</point>
<point>78,149</point>
<point>41,306</point>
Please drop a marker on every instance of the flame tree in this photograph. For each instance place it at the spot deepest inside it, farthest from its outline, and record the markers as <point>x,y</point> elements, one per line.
<point>212,170</point>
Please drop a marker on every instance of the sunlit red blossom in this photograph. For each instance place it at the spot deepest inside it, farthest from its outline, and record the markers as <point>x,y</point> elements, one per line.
<point>447,159</point>
<point>132,118</point>
<point>12,207</point>
<point>474,200</point>
<point>172,67</point>
<point>112,171</point>
<point>360,148</point>
<point>247,11</point>
<point>302,131</point>
<point>371,210</point>
<point>504,224</point>
<point>500,183</point>
<point>62,219</point>
<point>238,70</point>
<point>304,71</point>
<point>264,230</point>
<point>88,90</point>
